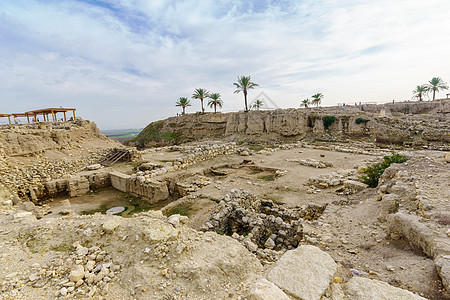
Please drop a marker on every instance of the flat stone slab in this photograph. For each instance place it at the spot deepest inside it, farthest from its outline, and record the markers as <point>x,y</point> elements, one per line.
<point>305,272</point>
<point>115,210</point>
<point>369,289</point>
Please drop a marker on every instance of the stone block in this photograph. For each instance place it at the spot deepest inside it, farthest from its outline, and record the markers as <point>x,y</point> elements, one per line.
<point>305,272</point>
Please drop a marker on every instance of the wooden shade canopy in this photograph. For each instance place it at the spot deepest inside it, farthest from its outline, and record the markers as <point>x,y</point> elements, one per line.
<point>44,112</point>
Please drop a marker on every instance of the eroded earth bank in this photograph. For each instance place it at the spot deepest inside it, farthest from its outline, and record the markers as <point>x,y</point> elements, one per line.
<point>249,216</point>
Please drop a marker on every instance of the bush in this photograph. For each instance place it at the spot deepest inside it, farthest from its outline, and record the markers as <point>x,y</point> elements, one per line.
<point>374,172</point>
<point>361,120</point>
<point>328,121</point>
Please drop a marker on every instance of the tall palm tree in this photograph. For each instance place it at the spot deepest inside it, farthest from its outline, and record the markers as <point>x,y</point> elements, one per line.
<point>258,104</point>
<point>183,102</point>
<point>306,102</point>
<point>420,91</point>
<point>243,84</point>
<point>215,101</point>
<point>200,94</point>
<point>317,99</point>
<point>436,84</point>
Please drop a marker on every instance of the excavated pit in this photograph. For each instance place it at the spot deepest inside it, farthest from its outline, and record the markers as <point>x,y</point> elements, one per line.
<point>263,222</point>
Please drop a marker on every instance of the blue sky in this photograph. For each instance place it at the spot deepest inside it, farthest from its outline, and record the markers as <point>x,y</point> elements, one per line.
<point>124,63</point>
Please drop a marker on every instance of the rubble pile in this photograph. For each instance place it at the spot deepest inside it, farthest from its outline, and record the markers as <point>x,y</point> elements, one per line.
<point>260,224</point>
<point>310,162</point>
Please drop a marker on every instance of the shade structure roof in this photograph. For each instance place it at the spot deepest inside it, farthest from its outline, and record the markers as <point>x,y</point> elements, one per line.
<point>49,110</point>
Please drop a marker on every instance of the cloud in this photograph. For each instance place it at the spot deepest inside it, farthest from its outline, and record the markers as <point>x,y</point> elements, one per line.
<point>124,63</point>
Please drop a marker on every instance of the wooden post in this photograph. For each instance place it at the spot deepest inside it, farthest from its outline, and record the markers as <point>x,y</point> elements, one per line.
<point>9,119</point>
<point>53,116</point>
<point>28,119</point>
<point>73,114</point>
<point>65,120</point>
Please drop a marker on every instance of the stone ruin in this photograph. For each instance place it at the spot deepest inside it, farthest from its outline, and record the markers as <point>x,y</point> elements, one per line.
<point>261,225</point>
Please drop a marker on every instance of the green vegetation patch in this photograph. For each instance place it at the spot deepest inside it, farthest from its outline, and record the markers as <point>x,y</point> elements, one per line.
<point>328,121</point>
<point>270,177</point>
<point>361,121</point>
<point>153,133</point>
<point>374,172</point>
<point>183,209</point>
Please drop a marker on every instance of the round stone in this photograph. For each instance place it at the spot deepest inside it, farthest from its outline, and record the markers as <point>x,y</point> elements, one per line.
<point>115,210</point>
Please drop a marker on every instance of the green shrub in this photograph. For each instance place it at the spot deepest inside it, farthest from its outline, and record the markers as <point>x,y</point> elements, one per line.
<point>328,121</point>
<point>374,172</point>
<point>361,120</point>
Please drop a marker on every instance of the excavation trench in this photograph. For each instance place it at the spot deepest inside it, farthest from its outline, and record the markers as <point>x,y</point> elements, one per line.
<point>263,222</point>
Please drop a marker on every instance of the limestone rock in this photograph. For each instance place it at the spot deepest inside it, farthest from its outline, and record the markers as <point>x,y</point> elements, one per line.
<point>305,272</point>
<point>355,185</point>
<point>270,244</point>
<point>359,288</point>
<point>76,274</point>
<point>23,214</point>
<point>447,157</point>
<point>110,225</point>
<point>266,290</point>
<point>94,167</point>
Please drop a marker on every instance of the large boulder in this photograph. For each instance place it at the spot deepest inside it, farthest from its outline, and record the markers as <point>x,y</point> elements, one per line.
<point>266,290</point>
<point>305,272</point>
<point>359,288</point>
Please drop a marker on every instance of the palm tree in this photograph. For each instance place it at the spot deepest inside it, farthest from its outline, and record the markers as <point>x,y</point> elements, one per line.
<point>436,84</point>
<point>317,99</point>
<point>306,102</point>
<point>244,84</point>
<point>258,104</point>
<point>421,90</point>
<point>183,102</point>
<point>201,94</point>
<point>215,101</point>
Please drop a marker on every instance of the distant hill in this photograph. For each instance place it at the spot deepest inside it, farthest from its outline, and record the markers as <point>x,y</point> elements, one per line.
<point>121,135</point>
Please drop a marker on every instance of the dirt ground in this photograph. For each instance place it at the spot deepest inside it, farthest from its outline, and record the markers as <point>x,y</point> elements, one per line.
<point>348,230</point>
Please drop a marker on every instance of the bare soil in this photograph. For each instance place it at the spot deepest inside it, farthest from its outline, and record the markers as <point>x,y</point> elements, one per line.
<point>348,230</point>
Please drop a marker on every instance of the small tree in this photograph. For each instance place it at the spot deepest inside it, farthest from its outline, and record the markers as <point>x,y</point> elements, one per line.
<point>420,91</point>
<point>200,94</point>
<point>215,101</point>
<point>317,99</point>
<point>328,121</point>
<point>243,85</point>
<point>258,104</point>
<point>183,102</point>
<point>306,102</point>
<point>436,84</point>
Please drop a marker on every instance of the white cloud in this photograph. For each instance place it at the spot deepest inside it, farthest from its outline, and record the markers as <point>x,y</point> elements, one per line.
<point>125,63</point>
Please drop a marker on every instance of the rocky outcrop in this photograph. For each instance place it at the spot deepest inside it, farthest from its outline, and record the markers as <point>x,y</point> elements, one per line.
<point>295,124</point>
<point>26,140</point>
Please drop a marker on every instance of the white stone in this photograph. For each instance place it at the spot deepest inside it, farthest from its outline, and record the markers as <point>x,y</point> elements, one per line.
<point>355,185</point>
<point>94,167</point>
<point>76,274</point>
<point>305,272</point>
<point>367,289</point>
<point>110,225</point>
<point>23,214</point>
<point>270,244</point>
<point>266,290</point>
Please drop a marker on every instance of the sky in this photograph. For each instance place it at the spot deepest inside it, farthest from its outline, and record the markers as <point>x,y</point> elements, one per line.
<point>125,63</point>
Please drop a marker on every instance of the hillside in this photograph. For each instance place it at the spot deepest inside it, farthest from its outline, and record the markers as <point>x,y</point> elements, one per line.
<point>408,124</point>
